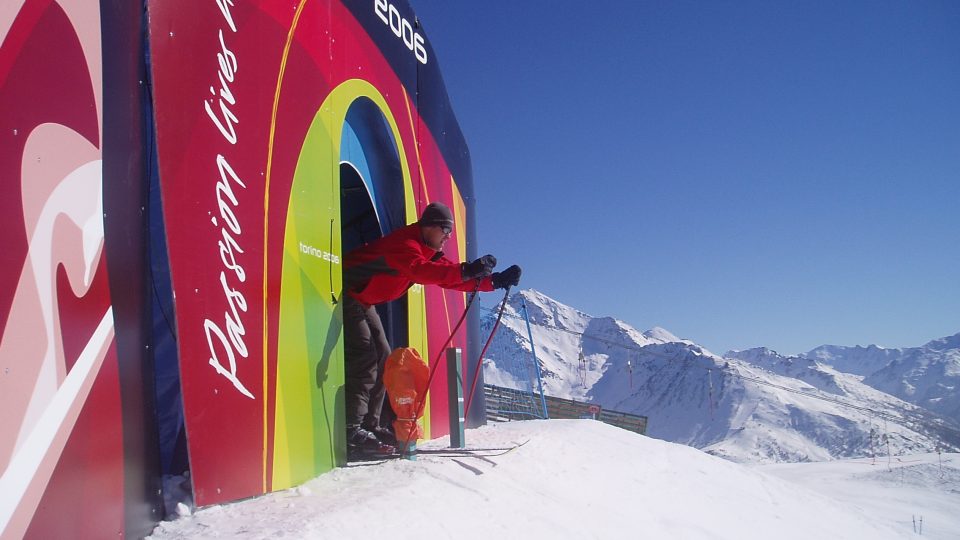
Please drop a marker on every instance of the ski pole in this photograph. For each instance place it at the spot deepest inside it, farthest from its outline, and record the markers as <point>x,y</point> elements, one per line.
<point>422,400</point>
<point>476,373</point>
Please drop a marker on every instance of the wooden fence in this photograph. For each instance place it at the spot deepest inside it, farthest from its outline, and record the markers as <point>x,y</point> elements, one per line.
<point>506,404</point>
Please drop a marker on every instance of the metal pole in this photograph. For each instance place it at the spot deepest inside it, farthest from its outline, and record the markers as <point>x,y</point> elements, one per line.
<point>455,397</point>
<point>536,363</point>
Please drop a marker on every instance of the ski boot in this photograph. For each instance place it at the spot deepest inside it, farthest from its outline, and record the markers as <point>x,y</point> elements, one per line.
<point>363,444</point>
<point>383,434</point>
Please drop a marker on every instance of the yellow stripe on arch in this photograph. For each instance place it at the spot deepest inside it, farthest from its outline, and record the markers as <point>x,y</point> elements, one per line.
<point>460,215</point>
<point>266,232</point>
<point>425,353</point>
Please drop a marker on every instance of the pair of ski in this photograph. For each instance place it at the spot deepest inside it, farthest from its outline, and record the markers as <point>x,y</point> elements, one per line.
<point>475,452</point>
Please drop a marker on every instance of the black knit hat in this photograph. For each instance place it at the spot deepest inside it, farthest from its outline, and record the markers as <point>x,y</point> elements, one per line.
<point>437,214</point>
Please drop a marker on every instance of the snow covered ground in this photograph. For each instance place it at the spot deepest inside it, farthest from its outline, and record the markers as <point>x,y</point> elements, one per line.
<point>586,479</point>
<point>912,491</point>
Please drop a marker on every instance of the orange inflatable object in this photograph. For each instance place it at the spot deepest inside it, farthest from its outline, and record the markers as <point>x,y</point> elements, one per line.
<point>405,377</point>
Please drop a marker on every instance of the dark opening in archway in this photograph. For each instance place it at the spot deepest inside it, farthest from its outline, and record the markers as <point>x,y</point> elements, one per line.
<point>372,202</point>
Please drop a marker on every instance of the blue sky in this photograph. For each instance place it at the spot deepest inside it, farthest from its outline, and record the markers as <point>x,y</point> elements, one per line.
<point>740,173</point>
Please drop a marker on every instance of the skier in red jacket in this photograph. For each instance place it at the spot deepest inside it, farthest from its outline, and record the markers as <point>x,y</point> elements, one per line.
<point>380,272</point>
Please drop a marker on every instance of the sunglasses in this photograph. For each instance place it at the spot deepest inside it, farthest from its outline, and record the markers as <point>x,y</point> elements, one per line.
<point>446,230</point>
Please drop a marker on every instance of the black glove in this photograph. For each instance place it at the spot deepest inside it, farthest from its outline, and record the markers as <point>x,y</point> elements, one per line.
<point>508,278</point>
<point>478,268</point>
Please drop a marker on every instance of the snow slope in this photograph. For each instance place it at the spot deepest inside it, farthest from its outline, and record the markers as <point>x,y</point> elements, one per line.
<point>916,491</point>
<point>557,330</point>
<point>585,479</point>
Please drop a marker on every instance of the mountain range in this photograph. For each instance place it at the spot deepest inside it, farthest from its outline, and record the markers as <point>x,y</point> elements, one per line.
<point>748,406</point>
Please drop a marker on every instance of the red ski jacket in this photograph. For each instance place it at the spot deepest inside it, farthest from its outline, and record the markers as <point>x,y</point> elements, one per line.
<point>384,269</point>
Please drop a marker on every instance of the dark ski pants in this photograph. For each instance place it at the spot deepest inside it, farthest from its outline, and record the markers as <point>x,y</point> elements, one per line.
<point>365,350</point>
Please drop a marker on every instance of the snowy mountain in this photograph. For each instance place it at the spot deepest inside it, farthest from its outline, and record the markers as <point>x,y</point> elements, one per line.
<point>928,376</point>
<point>754,405</point>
